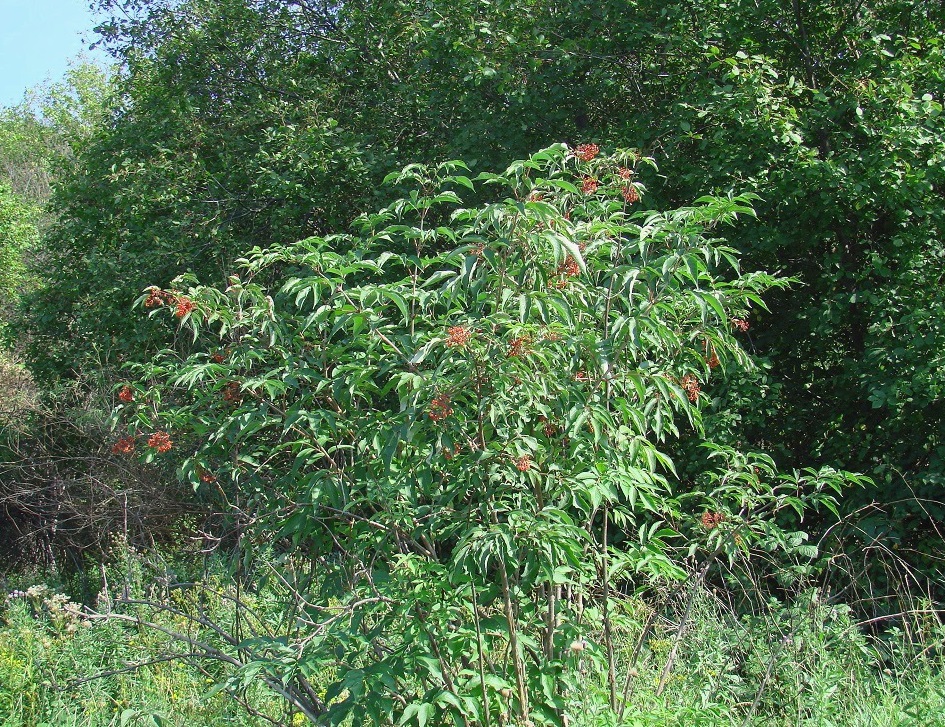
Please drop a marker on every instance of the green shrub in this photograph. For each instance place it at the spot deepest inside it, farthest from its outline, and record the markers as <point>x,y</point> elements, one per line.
<point>459,423</point>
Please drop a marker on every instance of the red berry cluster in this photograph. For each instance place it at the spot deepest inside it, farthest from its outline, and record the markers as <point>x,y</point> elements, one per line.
<point>625,174</point>
<point>630,194</point>
<point>157,297</point>
<point>519,346</point>
<point>440,407</point>
<point>589,185</point>
<point>523,463</point>
<point>161,441</point>
<point>184,306</point>
<point>740,324</point>
<point>712,520</point>
<point>569,267</point>
<point>690,385</point>
<point>207,477</point>
<point>549,428</point>
<point>232,393</point>
<point>449,453</point>
<point>710,356</point>
<point>125,445</point>
<point>126,394</point>
<point>458,336</point>
<point>586,152</point>
<point>217,358</point>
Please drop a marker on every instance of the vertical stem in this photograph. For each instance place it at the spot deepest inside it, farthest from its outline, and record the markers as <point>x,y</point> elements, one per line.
<point>482,662</point>
<point>550,622</point>
<point>444,667</point>
<point>671,657</point>
<point>480,412</point>
<point>416,273</point>
<point>633,662</point>
<point>608,633</point>
<point>126,592</point>
<point>804,44</point>
<point>513,643</point>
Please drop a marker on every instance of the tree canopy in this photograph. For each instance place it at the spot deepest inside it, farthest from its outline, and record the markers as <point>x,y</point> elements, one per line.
<point>244,123</point>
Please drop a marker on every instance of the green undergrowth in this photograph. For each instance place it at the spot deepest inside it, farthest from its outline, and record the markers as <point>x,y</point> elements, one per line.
<point>789,664</point>
<point>38,663</point>
<point>801,660</point>
<point>62,668</point>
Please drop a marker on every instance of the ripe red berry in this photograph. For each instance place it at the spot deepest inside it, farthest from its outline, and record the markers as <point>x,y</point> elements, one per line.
<point>126,394</point>
<point>161,441</point>
<point>440,407</point>
<point>125,445</point>
<point>184,306</point>
<point>458,336</point>
<point>586,152</point>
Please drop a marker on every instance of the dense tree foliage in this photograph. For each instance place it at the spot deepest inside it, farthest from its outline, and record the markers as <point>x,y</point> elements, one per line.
<point>242,123</point>
<point>838,127</point>
<point>17,233</point>
<point>48,128</point>
<point>39,138</point>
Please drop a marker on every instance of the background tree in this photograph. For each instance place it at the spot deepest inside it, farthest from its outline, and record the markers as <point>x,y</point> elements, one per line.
<point>247,122</point>
<point>44,132</point>
<point>17,233</point>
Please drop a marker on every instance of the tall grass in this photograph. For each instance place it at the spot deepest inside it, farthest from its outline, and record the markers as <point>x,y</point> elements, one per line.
<point>805,662</point>
<point>714,652</point>
<point>60,669</point>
